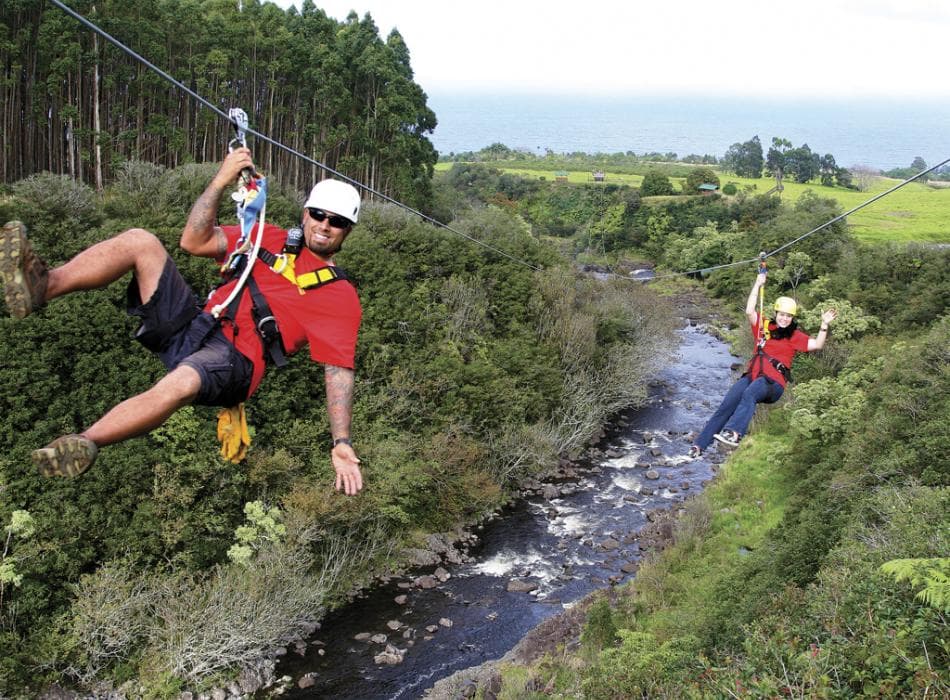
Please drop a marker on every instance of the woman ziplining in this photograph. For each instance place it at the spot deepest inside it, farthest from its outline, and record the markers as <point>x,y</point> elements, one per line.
<point>777,340</point>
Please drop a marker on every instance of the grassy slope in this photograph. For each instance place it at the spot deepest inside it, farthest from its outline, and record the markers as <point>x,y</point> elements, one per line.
<point>915,213</point>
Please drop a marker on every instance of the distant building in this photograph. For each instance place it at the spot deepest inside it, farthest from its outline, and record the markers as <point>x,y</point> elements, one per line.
<point>598,175</point>
<point>707,188</point>
<point>560,176</point>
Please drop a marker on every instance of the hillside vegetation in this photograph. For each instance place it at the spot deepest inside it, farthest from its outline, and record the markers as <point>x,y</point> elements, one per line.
<point>816,565</point>
<point>474,372</point>
<point>918,212</point>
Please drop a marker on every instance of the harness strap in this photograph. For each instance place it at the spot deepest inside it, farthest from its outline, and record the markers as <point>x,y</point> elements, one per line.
<point>266,325</point>
<point>284,264</point>
<point>782,369</point>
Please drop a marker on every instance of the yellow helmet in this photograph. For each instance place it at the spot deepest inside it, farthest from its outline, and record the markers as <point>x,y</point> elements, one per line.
<point>786,305</point>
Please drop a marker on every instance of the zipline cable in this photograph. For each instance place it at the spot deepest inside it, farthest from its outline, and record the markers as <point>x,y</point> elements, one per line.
<point>805,235</point>
<point>108,37</point>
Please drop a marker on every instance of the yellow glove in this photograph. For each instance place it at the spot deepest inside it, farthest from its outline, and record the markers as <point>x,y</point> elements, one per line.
<point>233,433</point>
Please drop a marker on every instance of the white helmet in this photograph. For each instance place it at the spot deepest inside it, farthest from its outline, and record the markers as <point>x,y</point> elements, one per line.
<point>337,197</point>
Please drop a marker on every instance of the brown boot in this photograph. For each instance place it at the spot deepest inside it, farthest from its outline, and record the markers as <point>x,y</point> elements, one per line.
<point>24,275</point>
<point>69,455</point>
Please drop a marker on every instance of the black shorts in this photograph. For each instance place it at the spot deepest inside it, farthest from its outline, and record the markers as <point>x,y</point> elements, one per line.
<point>180,333</point>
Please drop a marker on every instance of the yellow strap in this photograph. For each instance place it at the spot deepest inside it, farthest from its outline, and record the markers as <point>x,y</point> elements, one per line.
<point>317,277</point>
<point>233,433</point>
<point>284,266</point>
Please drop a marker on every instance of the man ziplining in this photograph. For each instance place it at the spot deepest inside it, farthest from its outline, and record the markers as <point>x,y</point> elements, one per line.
<point>214,356</point>
<point>778,340</point>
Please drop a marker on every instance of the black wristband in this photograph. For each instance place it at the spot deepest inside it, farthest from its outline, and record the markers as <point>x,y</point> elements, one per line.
<point>342,441</point>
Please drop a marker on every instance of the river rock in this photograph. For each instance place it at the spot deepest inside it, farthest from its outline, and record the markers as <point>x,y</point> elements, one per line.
<point>362,637</point>
<point>308,680</point>
<point>378,639</point>
<point>521,586</point>
<point>445,622</point>
<point>390,657</point>
<point>549,491</point>
<point>432,629</point>
<point>652,475</point>
<point>394,625</point>
<point>219,694</point>
<point>401,599</point>
<point>630,567</point>
<point>609,545</point>
<point>442,574</point>
<point>426,582</point>
<point>422,557</point>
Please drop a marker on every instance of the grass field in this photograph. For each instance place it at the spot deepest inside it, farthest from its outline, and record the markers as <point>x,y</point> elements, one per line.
<point>915,213</point>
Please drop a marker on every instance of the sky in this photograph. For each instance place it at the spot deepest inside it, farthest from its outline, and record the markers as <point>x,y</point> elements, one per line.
<point>823,49</point>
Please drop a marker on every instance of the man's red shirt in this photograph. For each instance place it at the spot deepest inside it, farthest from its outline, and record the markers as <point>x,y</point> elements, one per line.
<point>325,317</point>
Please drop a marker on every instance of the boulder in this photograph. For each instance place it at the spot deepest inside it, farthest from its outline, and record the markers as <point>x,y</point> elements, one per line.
<point>308,680</point>
<point>521,586</point>
<point>390,657</point>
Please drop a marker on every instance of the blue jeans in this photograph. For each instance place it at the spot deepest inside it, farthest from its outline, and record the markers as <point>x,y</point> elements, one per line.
<point>735,411</point>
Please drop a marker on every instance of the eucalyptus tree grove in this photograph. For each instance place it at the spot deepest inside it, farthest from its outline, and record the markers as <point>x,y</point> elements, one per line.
<point>75,104</point>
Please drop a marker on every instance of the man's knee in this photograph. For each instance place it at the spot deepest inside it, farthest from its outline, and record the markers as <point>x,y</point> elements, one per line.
<point>142,241</point>
<point>180,386</point>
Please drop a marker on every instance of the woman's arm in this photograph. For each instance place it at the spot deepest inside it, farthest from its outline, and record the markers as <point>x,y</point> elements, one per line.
<point>818,342</point>
<point>750,310</point>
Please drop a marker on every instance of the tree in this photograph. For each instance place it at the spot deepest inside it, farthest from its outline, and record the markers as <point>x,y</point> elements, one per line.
<point>844,179</point>
<point>744,159</point>
<point>775,160</point>
<point>699,176</point>
<point>828,169</point>
<point>655,183</point>
<point>801,163</point>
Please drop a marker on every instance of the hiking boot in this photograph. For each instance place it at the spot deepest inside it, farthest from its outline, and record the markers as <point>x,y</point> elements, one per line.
<point>695,452</point>
<point>69,455</point>
<point>24,275</point>
<point>728,437</point>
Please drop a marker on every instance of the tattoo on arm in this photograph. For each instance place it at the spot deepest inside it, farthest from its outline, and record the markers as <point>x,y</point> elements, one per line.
<point>204,212</point>
<point>339,381</point>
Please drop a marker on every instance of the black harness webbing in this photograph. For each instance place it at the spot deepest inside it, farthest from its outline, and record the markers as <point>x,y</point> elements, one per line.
<point>761,355</point>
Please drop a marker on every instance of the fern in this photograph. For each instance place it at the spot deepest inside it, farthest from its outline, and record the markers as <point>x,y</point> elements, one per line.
<point>932,574</point>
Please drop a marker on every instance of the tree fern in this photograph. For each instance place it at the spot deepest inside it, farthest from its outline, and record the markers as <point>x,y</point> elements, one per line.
<point>932,574</point>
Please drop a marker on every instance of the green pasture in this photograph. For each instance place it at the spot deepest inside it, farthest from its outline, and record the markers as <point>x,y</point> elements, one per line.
<point>915,213</point>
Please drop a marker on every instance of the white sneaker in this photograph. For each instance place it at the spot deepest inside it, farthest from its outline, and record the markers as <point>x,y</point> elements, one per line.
<point>728,437</point>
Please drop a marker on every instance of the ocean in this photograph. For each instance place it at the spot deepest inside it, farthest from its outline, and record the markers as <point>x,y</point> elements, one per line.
<point>871,133</point>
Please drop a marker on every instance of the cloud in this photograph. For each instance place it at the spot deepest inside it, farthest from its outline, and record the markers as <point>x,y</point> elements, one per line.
<point>814,48</point>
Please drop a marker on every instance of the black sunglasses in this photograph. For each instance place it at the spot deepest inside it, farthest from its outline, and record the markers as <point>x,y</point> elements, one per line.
<point>336,221</point>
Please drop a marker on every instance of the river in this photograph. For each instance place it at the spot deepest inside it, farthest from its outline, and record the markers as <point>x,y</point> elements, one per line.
<point>565,545</point>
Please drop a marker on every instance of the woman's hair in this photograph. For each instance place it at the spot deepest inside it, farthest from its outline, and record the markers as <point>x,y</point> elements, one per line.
<point>779,333</point>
